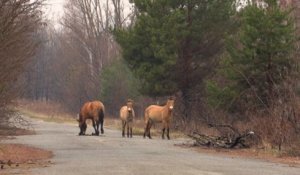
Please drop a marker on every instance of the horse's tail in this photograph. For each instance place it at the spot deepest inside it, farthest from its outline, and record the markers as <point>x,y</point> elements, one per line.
<point>101,115</point>
<point>146,120</point>
<point>146,117</point>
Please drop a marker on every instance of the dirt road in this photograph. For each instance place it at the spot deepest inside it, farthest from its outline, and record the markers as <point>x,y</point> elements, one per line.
<point>112,154</point>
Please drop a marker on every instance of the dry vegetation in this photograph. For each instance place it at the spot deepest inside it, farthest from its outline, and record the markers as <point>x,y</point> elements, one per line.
<point>47,111</point>
<point>21,157</point>
<point>19,21</point>
<point>262,154</point>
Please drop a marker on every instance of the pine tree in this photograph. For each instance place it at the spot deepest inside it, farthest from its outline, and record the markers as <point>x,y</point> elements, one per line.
<point>260,57</point>
<point>172,43</point>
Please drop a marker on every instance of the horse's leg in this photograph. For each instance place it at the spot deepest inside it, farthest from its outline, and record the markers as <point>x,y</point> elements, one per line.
<point>84,126</point>
<point>163,130</point>
<point>123,128</point>
<point>80,127</point>
<point>149,127</point>
<point>163,133</point>
<point>94,125</point>
<point>97,126</point>
<point>168,131</point>
<point>146,128</point>
<point>101,122</point>
<point>127,130</point>
<point>131,130</point>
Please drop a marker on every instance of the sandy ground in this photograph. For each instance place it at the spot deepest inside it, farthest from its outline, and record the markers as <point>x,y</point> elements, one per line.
<point>112,154</point>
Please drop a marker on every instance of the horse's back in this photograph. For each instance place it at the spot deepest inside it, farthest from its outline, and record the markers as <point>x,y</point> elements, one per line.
<point>97,105</point>
<point>92,109</point>
<point>153,112</point>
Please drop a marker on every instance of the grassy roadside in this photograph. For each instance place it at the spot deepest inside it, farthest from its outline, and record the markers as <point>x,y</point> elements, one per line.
<point>252,153</point>
<point>20,158</point>
<point>47,117</point>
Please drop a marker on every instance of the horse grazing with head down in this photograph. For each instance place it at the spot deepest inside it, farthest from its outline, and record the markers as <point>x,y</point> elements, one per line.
<point>94,111</point>
<point>159,114</point>
<point>127,116</point>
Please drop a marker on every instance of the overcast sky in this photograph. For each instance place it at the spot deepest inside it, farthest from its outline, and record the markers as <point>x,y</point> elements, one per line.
<point>54,9</point>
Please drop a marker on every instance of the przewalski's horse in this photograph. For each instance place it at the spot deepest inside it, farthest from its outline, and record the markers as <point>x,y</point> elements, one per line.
<point>94,111</point>
<point>127,116</point>
<point>159,114</point>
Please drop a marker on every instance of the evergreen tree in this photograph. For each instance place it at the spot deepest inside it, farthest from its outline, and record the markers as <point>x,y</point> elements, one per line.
<point>260,56</point>
<point>172,43</point>
<point>117,85</point>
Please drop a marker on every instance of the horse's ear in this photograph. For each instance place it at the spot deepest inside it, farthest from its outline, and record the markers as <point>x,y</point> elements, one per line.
<point>172,98</point>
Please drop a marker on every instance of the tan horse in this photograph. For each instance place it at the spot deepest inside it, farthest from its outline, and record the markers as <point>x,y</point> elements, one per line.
<point>159,114</point>
<point>94,111</point>
<point>127,116</point>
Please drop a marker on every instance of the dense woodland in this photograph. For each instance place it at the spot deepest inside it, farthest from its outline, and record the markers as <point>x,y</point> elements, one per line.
<point>229,63</point>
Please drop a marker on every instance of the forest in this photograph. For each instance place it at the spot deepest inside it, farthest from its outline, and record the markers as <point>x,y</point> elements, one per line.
<point>230,63</point>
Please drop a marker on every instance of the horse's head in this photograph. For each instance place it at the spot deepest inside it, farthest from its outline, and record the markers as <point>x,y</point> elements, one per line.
<point>82,125</point>
<point>129,105</point>
<point>170,103</point>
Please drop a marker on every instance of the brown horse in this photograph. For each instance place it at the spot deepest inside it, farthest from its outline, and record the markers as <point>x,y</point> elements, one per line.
<point>127,116</point>
<point>159,114</point>
<point>94,111</point>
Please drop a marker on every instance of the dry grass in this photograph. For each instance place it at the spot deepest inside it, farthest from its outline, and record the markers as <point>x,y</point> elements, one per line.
<point>46,117</point>
<point>263,154</point>
<point>17,153</point>
<point>12,131</point>
<point>46,111</point>
<point>21,157</point>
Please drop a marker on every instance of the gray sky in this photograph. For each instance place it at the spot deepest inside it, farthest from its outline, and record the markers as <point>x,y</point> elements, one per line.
<point>54,9</point>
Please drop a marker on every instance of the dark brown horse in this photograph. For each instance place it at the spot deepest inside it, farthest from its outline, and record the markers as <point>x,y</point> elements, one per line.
<point>94,111</point>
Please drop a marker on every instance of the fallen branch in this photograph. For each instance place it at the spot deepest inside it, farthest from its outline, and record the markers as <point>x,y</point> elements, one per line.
<point>220,142</point>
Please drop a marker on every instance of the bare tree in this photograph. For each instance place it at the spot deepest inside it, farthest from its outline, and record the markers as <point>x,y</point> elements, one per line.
<point>69,63</point>
<point>19,21</point>
<point>88,42</point>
